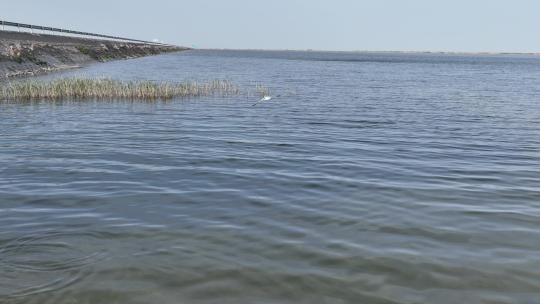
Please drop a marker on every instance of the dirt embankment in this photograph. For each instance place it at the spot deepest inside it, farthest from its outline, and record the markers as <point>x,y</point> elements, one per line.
<point>25,54</point>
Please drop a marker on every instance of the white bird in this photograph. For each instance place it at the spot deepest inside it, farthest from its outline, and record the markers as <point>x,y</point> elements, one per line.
<point>265,98</point>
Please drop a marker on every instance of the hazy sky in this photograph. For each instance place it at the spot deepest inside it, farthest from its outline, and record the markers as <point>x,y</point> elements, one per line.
<point>436,25</point>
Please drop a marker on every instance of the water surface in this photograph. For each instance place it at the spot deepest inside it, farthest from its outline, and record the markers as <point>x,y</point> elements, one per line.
<point>369,178</point>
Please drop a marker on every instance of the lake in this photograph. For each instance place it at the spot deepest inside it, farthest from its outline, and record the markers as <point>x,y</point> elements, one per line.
<point>368,178</point>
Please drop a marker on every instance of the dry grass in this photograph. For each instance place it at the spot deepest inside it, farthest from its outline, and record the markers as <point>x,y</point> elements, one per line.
<point>90,88</point>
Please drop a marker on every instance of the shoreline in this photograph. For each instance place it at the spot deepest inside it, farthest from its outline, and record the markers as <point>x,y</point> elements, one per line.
<point>26,54</point>
<point>380,52</point>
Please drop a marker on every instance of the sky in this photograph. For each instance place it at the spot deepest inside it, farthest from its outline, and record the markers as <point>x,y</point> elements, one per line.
<point>346,25</point>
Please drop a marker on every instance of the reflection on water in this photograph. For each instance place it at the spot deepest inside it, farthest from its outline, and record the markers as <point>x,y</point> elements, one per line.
<point>372,178</point>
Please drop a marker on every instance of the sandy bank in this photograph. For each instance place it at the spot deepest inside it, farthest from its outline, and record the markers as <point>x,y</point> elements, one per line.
<point>26,54</point>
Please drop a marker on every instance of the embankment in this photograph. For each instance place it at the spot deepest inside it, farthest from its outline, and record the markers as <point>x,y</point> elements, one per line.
<point>26,54</point>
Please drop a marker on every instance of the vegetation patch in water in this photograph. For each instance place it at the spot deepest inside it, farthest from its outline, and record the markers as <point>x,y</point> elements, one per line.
<point>102,88</point>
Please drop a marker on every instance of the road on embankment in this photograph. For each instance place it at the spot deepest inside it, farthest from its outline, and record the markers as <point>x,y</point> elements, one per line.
<point>27,54</point>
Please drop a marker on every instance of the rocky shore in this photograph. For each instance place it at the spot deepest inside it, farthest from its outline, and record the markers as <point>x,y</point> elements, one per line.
<point>26,54</point>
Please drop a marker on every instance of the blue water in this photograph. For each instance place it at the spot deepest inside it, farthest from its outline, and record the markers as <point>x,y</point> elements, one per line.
<point>368,178</point>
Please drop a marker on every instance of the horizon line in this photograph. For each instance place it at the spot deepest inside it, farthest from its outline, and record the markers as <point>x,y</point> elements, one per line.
<point>376,51</point>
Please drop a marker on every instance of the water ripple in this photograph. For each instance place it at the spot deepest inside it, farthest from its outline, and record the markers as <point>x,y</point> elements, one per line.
<point>369,178</point>
<point>44,262</point>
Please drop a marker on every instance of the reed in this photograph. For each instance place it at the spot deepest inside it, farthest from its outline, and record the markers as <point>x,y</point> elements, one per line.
<point>262,91</point>
<point>103,88</point>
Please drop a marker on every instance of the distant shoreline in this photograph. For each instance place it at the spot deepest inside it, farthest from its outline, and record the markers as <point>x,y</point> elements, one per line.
<point>378,52</point>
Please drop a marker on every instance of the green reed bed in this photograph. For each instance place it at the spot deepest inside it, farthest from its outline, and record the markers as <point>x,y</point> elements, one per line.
<point>91,88</point>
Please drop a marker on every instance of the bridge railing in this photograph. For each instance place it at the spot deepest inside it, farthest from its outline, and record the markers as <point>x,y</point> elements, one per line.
<point>19,26</point>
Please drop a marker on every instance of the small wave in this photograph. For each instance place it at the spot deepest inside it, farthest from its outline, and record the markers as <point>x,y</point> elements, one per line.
<point>352,124</point>
<point>44,262</point>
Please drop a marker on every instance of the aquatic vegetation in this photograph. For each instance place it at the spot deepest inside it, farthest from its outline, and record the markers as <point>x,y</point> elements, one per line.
<point>262,91</point>
<point>101,88</point>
